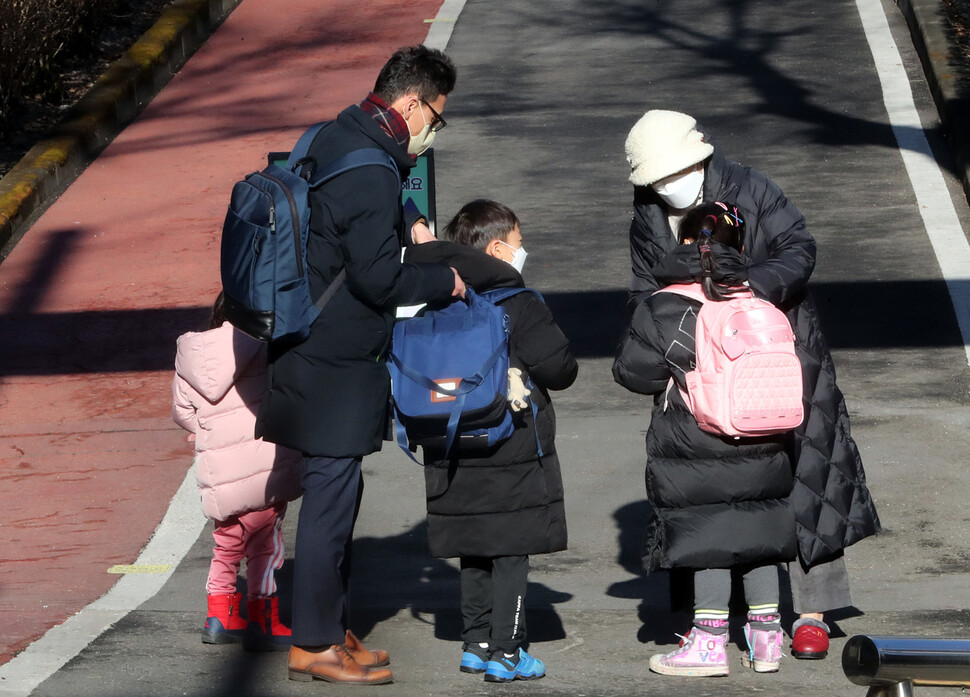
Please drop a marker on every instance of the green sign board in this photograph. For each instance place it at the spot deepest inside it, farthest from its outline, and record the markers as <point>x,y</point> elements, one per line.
<point>418,190</point>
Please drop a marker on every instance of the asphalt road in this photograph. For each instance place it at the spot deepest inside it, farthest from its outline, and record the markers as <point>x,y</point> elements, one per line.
<point>548,90</point>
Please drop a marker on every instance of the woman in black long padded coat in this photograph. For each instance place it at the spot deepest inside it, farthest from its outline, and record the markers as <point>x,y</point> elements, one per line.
<point>674,166</point>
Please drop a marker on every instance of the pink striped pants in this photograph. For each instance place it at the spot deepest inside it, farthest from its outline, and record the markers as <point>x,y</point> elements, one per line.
<point>256,536</point>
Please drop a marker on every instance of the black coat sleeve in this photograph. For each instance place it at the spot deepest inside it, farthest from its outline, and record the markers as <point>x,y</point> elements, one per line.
<point>785,257</point>
<point>537,341</point>
<point>640,365</point>
<point>476,268</point>
<point>650,240</point>
<point>370,248</point>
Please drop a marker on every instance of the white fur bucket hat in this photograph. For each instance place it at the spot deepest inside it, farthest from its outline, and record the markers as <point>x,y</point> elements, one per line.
<point>662,143</point>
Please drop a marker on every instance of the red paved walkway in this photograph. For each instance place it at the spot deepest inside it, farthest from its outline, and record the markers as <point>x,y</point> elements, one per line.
<point>92,298</point>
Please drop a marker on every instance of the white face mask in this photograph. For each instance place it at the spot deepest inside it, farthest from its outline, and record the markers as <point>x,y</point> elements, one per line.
<point>423,140</point>
<point>518,256</point>
<point>682,191</point>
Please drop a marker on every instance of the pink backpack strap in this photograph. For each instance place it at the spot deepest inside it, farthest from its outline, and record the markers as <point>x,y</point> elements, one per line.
<point>695,292</point>
<point>687,290</point>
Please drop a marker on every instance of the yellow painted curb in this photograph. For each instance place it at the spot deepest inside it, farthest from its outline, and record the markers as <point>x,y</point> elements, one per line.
<point>113,101</point>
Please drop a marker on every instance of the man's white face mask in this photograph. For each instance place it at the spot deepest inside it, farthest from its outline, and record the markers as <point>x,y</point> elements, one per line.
<point>680,190</point>
<point>424,138</point>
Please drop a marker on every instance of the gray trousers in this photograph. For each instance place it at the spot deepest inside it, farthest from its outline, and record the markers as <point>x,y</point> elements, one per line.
<point>712,587</point>
<point>822,588</point>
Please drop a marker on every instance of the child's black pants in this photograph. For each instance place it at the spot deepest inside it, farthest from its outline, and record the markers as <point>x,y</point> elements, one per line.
<point>493,601</point>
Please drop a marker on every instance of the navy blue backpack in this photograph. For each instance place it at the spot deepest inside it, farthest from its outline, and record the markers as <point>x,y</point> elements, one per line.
<point>264,242</point>
<point>449,375</point>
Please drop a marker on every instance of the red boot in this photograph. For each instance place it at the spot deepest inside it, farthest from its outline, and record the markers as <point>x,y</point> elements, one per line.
<point>264,632</point>
<point>224,623</point>
<point>810,639</point>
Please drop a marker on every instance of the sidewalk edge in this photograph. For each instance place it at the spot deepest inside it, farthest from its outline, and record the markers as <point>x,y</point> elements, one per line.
<point>114,100</point>
<point>928,28</point>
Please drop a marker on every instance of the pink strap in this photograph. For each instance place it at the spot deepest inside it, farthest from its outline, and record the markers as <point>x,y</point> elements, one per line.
<point>694,291</point>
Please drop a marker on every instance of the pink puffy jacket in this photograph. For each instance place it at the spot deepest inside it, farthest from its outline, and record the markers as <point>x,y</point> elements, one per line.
<point>219,380</point>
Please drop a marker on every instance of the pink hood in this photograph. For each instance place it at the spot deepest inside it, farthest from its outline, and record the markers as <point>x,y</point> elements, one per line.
<point>219,380</point>
<point>212,361</point>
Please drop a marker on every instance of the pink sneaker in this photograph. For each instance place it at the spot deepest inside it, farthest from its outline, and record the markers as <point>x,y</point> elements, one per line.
<point>700,654</point>
<point>764,649</point>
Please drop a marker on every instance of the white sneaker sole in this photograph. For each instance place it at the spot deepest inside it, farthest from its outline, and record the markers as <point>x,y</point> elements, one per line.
<point>760,666</point>
<point>690,671</point>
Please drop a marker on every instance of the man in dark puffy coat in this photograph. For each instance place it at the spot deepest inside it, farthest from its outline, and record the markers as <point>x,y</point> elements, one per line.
<point>674,167</point>
<point>493,507</point>
<point>328,396</point>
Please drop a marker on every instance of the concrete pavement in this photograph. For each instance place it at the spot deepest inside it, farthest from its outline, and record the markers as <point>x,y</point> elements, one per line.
<point>547,92</point>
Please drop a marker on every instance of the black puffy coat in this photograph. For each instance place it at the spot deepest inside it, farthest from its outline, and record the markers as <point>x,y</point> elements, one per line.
<point>328,396</point>
<point>505,500</point>
<point>832,504</point>
<point>715,502</point>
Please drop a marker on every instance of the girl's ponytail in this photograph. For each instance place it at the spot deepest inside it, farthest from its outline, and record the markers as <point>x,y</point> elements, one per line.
<point>707,223</point>
<point>708,262</point>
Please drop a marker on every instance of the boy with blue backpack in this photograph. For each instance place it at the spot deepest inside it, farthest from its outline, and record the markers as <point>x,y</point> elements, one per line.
<point>494,505</point>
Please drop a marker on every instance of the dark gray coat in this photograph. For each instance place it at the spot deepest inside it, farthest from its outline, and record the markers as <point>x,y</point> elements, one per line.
<point>715,502</point>
<point>328,396</point>
<point>832,504</point>
<point>506,500</point>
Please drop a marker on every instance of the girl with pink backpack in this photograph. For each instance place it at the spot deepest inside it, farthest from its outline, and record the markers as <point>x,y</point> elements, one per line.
<point>719,503</point>
<point>244,482</point>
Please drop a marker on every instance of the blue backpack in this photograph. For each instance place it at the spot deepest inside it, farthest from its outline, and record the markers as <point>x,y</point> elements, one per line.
<point>264,242</point>
<point>449,375</point>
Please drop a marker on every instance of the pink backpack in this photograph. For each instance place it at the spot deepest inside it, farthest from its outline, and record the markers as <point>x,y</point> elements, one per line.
<point>747,379</point>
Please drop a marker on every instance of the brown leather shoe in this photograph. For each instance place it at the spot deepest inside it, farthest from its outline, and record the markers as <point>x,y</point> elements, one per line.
<point>373,659</point>
<point>334,665</point>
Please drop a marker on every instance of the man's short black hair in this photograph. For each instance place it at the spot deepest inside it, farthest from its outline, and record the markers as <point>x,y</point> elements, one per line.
<point>416,69</point>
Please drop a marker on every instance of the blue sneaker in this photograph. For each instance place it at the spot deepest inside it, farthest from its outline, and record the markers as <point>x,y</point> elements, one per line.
<point>473,658</point>
<point>520,666</point>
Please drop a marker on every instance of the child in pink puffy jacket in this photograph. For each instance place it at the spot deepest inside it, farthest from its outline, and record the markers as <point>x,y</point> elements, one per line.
<point>244,482</point>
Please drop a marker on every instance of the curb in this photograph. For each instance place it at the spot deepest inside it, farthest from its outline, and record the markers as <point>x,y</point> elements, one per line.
<point>949,81</point>
<point>112,102</point>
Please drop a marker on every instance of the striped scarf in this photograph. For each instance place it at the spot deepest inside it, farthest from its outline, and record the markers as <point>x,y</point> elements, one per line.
<point>388,119</point>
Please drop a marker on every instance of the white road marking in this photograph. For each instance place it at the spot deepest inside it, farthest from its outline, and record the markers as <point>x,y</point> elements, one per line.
<point>935,206</point>
<point>175,535</point>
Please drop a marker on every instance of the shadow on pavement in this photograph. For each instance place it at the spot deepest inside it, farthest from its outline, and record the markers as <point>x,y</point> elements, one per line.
<point>859,315</point>
<point>395,573</point>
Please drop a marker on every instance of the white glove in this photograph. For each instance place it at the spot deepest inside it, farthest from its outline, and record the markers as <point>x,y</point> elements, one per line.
<point>517,390</point>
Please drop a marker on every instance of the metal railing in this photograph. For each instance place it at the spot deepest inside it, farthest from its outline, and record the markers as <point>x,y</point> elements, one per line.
<point>891,665</point>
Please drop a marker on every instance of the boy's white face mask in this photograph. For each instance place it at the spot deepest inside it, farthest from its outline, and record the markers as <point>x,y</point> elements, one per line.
<point>682,190</point>
<point>518,256</point>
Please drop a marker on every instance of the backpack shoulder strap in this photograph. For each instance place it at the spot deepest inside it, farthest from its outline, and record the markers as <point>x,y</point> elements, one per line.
<point>686,290</point>
<point>352,160</point>
<point>499,294</point>
<point>302,146</point>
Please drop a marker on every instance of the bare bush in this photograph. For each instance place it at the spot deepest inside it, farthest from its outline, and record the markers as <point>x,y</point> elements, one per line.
<point>35,35</point>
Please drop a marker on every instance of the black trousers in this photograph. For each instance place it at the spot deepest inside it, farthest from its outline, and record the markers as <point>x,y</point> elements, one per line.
<point>332,489</point>
<point>493,601</point>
